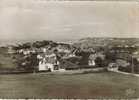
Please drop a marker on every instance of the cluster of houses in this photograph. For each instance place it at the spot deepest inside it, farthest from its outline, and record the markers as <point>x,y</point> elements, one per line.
<point>47,62</point>
<point>48,57</point>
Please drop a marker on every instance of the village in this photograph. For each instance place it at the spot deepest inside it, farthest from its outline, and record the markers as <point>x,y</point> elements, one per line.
<point>42,56</point>
<point>40,69</point>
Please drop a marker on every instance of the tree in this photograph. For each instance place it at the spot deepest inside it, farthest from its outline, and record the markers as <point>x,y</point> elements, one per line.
<point>99,61</point>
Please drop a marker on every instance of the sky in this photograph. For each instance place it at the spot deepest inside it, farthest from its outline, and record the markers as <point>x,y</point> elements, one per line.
<point>67,20</point>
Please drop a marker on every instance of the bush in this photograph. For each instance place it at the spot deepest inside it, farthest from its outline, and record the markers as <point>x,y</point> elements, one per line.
<point>122,63</point>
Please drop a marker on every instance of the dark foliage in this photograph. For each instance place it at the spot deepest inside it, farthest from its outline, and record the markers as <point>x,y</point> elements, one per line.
<point>29,62</point>
<point>43,43</point>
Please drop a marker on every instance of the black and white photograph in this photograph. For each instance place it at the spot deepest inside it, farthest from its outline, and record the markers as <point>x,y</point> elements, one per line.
<point>68,49</point>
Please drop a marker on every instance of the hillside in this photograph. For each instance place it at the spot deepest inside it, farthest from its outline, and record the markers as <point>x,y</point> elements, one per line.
<point>40,44</point>
<point>93,42</point>
<point>6,60</point>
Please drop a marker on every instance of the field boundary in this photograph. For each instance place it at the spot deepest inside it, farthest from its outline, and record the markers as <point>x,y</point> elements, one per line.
<point>76,71</point>
<point>125,73</point>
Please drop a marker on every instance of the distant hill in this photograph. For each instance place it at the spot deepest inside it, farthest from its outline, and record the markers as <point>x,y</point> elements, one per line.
<point>102,42</point>
<point>83,43</point>
<point>40,44</point>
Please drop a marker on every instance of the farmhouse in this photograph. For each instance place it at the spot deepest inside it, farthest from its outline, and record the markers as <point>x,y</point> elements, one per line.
<point>91,61</point>
<point>47,62</point>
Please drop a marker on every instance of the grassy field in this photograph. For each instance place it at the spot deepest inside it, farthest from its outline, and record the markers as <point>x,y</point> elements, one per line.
<point>93,85</point>
<point>6,60</point>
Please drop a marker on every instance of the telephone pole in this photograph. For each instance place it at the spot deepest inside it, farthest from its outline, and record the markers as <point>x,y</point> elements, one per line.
<point>132,64</point>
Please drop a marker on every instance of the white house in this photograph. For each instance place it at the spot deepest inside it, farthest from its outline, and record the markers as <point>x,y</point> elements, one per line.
<point>47,62</point>
<point>44,65</point>
<point>112,67</point>
<point>91,61</point>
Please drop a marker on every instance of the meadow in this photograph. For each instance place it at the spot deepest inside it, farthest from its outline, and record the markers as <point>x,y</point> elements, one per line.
<point>92,85</point>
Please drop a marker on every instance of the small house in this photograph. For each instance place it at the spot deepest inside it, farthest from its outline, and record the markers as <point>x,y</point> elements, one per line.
<point>47,62</point>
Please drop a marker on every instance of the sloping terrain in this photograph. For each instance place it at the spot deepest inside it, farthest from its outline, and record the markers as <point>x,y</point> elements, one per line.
<point>93,42</point>
<point>6,60</point>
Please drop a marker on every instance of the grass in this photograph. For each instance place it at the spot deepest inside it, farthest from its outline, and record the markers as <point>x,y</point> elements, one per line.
<point>6,60</point>
<point>94,85</point>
